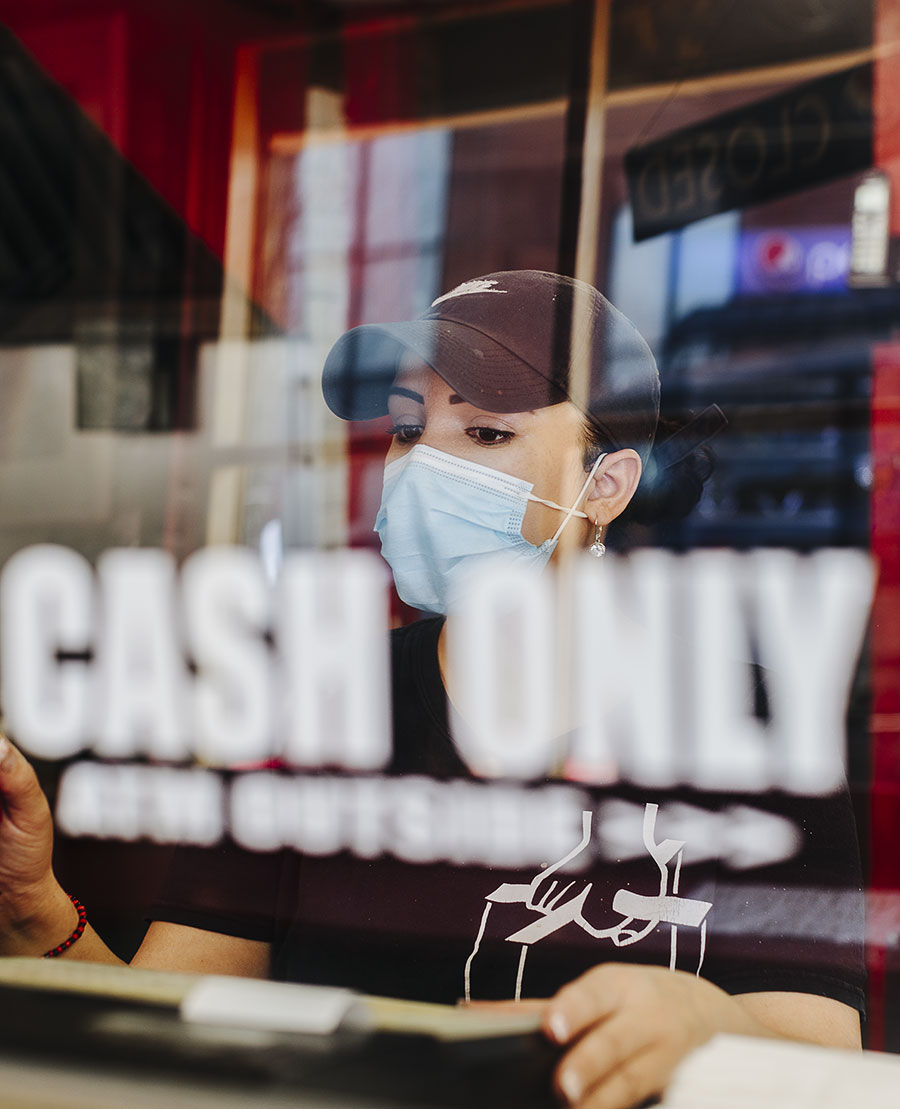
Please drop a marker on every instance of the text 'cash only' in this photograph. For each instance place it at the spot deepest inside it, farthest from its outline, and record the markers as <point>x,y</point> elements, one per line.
<point>645,668</point>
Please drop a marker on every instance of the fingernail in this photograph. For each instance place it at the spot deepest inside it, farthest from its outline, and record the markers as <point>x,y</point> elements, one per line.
<point>5,749</point>
<point>559,1027</point>
<point>570,1084</point>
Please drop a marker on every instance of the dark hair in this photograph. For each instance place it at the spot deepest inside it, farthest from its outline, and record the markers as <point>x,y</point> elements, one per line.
<point>673,477</point>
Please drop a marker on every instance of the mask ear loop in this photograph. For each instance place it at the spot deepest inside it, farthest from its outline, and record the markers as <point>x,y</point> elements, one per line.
<point>572,511</point>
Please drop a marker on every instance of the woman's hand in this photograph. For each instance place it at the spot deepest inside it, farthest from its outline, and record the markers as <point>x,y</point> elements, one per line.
<point>627,1027</point>
<point>34,911</point>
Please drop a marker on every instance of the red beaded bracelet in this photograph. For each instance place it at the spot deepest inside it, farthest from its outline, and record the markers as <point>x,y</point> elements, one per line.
<point>76,935</point>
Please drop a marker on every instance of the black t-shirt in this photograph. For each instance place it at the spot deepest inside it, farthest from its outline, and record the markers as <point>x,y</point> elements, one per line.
<point>433,931</point>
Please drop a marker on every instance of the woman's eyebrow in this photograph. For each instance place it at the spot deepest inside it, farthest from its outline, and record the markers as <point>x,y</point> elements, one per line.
<point>455,398</point>
<point>399,391</point>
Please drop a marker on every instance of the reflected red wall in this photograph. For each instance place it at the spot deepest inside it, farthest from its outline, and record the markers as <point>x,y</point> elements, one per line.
<point>885,506</point>
<point>884,796</point>
<point>158,79</point>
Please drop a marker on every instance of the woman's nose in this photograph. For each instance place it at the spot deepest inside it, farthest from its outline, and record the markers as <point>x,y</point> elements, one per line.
<point>437,436</point>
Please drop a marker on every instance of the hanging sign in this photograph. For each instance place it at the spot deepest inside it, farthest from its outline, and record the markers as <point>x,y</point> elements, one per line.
<point>811,134</point>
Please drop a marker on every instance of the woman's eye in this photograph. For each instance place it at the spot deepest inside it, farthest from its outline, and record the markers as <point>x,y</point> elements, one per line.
<point>489,436</point>
<point>406,433</point>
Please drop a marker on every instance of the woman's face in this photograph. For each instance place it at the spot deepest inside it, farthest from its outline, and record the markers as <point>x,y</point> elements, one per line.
<point>545,447</point>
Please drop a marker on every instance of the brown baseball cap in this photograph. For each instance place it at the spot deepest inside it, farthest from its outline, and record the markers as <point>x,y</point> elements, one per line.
<point>511,342</point>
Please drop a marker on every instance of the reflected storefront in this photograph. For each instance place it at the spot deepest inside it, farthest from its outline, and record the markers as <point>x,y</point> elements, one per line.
<point>201,197</point>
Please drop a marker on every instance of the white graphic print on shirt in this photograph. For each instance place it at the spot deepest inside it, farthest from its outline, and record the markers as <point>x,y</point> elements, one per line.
<point>554,911</point>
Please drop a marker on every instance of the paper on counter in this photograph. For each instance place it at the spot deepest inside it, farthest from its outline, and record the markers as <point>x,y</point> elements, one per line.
<point>745,1072</point>
<point>274,1006</point>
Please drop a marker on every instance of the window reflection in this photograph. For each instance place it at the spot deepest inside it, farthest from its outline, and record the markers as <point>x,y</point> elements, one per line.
<point>198,199</point>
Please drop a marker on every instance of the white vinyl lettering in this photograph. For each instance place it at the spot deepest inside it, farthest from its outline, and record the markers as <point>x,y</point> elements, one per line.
<point>651,757</point>
<point>811,614</point>
<point>142,685</point>
<point>658,674</point>
<point>730,745</point>
<point>226,608</point>
<point>47,607</point>
<point>501,650</point>
<point>332,616</point>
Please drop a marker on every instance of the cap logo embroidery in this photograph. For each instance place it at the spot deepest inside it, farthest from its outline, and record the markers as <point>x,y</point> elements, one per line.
<point>479,285</point>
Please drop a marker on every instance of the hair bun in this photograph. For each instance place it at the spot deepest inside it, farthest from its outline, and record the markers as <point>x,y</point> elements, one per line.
<point>679,466</point>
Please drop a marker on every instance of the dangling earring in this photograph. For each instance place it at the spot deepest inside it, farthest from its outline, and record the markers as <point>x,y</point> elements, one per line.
<point>598,547</point>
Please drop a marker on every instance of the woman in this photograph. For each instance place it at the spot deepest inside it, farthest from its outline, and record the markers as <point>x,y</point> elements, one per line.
<point>524,411</point>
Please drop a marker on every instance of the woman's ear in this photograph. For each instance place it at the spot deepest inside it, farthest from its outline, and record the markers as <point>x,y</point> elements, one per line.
<point>613,486</point>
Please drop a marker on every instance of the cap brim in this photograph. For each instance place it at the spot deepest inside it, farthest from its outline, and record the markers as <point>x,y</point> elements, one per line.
<point>363,363</point>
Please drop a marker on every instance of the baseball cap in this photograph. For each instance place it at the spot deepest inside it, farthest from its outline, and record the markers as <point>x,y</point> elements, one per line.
<point>512,341</point>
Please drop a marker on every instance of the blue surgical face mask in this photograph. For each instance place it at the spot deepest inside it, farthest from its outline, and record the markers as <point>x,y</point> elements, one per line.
<point>440,515</point>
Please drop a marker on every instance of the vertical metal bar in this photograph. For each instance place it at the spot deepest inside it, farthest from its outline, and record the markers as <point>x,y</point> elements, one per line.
<point>593,146</point>
<point>226,485</point>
